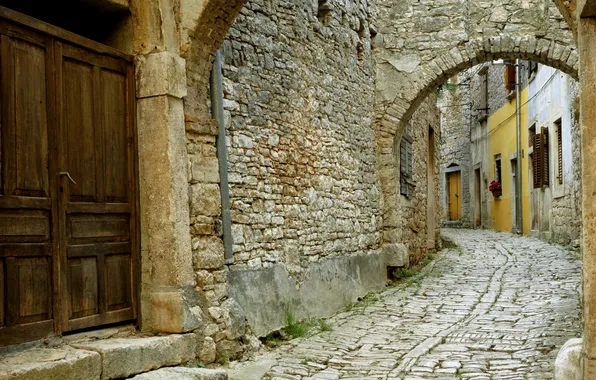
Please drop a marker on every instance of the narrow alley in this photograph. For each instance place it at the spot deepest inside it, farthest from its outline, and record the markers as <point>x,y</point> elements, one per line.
<point>499,306</point>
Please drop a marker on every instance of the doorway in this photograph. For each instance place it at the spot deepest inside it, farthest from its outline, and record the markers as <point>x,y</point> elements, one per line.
<point>478,198</point>
<point>454,195</point>
<point>68,240</point>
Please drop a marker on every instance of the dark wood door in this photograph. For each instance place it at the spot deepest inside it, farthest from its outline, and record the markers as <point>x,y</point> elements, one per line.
<point>67,184</point>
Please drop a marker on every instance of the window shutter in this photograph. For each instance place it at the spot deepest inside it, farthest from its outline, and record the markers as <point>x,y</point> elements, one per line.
<point>510,78</point>
<point>560,154</point>
<point>545,158</point>
<point>403,167</point>
<point>537,161</point>
<point>410,163</point>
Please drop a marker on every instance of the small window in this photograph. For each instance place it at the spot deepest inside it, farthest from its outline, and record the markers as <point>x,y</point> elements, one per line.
<point>324,12</point>
<point>559,131</point>
<point>498,168</point>
<point>531,135</point>
<point>406,163</point>
<point>510,71</point>
<point>540,159</point>
<point>532,70</point>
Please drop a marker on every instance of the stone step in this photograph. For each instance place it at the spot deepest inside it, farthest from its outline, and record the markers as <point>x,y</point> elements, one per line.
<point>100,359</point>
<point>183,373</point>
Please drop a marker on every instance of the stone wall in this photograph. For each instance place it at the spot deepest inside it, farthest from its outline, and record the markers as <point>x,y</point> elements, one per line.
<point>305,198</point>
<point>454,104</point>
<point>565,217</point>
<point>413,211</point>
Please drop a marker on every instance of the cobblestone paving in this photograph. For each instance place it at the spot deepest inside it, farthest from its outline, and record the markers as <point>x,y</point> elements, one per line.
<point>498,307</point>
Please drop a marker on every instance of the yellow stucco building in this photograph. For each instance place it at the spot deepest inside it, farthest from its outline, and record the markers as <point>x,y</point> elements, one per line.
<point>503,159</point>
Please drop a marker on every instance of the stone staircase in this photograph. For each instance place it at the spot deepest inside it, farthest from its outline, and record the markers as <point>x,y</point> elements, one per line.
<point>85,358</point>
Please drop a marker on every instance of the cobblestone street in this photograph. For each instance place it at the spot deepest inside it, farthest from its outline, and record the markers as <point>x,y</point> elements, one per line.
<point>498,307</point>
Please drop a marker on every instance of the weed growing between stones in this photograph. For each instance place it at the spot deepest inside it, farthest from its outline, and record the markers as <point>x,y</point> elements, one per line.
<point>324,326</point>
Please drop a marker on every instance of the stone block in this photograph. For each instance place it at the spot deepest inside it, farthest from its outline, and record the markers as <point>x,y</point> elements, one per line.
<point>205,199</point>
<point>183,373</point>
<point>126,357</point>
<point>161,73</point>
<point>209,253</point>
<point>172,312</point>
<point>45,364</point>
<point>396,255</point>
<point>568,362</point>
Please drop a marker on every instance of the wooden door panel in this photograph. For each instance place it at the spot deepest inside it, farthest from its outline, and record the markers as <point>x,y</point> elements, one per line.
<point>118,269</point>
<point>84,287</point>
<point>94,228</point>
<point>116,132</point>
<point>30,298</point>
<point>26,135</point>
<point>78,114</point>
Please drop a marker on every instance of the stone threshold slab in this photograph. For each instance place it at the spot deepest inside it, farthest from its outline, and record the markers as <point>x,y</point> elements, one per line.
<point>99,359</point>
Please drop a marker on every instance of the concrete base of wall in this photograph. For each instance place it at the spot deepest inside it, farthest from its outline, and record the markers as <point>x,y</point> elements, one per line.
<point>265,295</point>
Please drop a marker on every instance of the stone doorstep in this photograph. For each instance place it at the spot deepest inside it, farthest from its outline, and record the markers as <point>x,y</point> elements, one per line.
<point>101,359</point>
<point>179,373</point>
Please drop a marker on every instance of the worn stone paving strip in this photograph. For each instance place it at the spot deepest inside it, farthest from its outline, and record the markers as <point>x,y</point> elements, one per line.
<point>497,307</point>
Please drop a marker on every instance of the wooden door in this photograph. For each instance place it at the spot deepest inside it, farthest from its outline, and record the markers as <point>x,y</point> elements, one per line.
<point>454,181</point>
<point>27,187</point>
<point>68,231</point>
<point>97,176</point>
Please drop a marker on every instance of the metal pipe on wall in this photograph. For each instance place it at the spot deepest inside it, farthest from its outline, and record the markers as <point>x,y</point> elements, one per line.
<point>217,110</point>
<point>518,181</point>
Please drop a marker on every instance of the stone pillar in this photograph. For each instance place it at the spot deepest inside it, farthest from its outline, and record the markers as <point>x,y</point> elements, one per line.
<point>587,47</point>
<point>168,300</point>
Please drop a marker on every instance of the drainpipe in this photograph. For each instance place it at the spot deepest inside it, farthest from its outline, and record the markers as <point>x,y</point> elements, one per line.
<point>217,110</point>
<point>518,180</point>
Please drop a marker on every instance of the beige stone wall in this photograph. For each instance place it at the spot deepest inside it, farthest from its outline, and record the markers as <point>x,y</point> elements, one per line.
<point>412,220</point>
<point>299,95</point>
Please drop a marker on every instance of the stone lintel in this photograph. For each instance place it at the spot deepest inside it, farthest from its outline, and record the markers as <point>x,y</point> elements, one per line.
<point>162,73</point>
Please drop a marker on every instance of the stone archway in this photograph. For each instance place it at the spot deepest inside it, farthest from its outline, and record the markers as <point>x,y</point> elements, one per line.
<point>420,46</point>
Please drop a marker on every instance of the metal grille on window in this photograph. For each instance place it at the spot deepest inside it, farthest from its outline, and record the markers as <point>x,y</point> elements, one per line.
<point>406,163</point>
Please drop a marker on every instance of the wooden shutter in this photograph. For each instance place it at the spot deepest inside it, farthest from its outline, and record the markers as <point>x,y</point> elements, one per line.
<point>537,161</point>
<point>510,78</point>
<point>560,154</point>
<point>545,157</point>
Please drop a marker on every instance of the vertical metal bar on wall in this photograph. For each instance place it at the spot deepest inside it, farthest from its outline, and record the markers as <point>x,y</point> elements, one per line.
<point>217,110</point>
<point>518,181</point>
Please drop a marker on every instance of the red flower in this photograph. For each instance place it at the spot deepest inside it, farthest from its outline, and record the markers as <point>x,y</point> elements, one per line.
<point>495,186</point>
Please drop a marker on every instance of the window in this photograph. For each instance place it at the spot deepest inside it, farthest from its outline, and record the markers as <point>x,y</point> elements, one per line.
<point>498,168</point>
<point>532,70</point>
<point>483,106</point>
<point>510,78</point>
<point>405,164</point>
<point>531,134</point>
<point>559,131</point>
<point>324,12</point>
<point>540,159</point>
